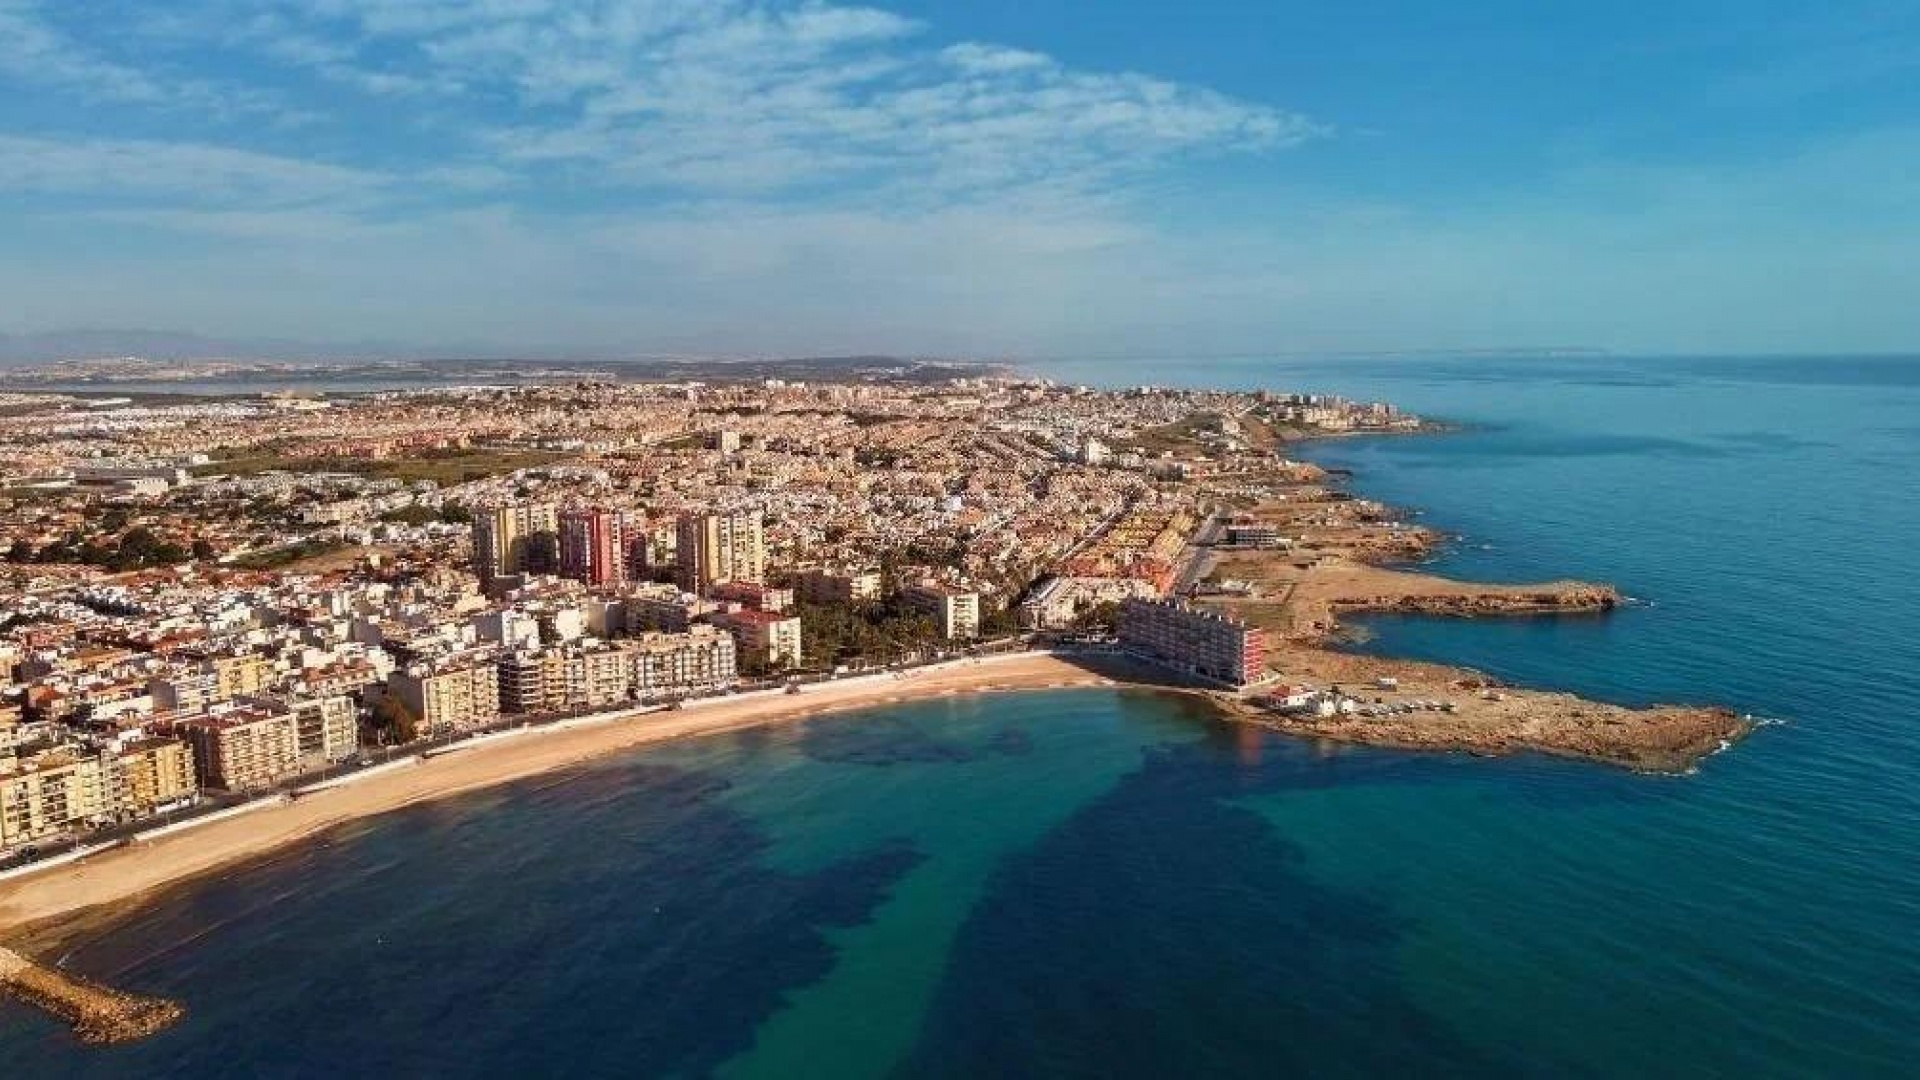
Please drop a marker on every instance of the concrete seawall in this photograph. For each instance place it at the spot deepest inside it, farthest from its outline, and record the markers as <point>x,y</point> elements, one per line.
<point>96,1014</point>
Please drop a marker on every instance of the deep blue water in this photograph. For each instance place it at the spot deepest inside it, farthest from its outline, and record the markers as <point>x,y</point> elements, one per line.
<point>1110,884</point>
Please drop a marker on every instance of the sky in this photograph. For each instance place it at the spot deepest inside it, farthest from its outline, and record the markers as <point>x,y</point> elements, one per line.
<point>1017,178</point>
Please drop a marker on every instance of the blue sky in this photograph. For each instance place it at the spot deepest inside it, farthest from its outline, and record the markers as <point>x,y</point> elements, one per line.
<point>989,177</point>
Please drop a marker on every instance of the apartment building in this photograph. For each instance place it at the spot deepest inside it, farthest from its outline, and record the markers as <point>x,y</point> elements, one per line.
<point>751,594</point>
<point>328,727</point>
<point>241,676</point>
<point>768,638</point>
<point>148,775</point>
<point>245,748</point>
<point>533,681</point>
<point>511,539</point>
<point>50,793</point>
<point>212,681</point>
<point>714,547</point>
<point>821,586</point>
<point>451,694</point>
<point>956,610</point>
<point>593,546</point>
<point>184,692</point>
<point>671,612</point>
<point>1195,640</point>
<point>702,661</point>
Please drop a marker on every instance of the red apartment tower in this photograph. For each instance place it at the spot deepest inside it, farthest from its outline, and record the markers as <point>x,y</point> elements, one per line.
<point>593,546</point>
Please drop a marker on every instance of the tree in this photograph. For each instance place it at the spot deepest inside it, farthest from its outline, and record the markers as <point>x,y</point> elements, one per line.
<point>391,721</point>
<point>1099,616</point>
<point>1000,621</point>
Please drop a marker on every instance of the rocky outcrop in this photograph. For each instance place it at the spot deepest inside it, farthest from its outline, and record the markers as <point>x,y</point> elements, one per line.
<point>1663,739</point>
<point>1485,716</point>
<point>1475,604</point>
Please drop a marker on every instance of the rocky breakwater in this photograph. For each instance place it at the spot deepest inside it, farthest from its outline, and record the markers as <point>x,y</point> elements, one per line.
<point>96,1014</point>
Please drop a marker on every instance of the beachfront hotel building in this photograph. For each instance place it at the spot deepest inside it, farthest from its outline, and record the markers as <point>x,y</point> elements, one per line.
<point>245,748</point>
<point>701,661</point>
<point>456,694</point>
<point>148,775</point>
<point>956,610</point>
<point>714,547</point>
<point>593,546</point>
<point>328,727</point>
<point>769,638</point>
<point>548,680</point>
<point>1194,640</point>
<point>48,794</point>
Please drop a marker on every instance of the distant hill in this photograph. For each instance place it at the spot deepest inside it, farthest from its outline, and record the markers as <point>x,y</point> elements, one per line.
<point>177,345</point>
<point>107,357</point>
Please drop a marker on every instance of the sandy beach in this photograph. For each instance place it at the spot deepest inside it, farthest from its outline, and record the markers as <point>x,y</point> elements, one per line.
<point>124,876</point>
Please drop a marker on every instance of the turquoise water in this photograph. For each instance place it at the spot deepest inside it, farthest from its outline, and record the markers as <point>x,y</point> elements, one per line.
<point>1102,883</point>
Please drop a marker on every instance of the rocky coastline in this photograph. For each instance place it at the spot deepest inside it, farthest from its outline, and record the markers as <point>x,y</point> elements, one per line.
<point>1349,556</point>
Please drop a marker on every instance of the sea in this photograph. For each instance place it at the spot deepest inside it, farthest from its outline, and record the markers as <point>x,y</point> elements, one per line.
<point>1114,883</point>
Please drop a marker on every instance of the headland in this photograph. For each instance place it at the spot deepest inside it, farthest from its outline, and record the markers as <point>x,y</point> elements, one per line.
<point>1349,556</point>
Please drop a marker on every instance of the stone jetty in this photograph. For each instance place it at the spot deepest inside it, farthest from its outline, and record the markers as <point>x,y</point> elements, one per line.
<point>97,1014</point>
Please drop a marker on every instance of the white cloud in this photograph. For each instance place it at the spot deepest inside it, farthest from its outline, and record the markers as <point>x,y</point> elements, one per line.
<point>975,58</point>
<point>688,98</point>
<point>725,96</point>
<point>36,52</point>
<point>755,175</point>
<point>180,172</point>
<point>33,52</point>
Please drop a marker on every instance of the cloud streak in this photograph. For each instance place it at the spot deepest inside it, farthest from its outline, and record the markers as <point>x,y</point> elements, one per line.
<point>722,97</point>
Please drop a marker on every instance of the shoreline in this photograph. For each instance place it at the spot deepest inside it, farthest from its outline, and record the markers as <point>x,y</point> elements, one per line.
<point>65,900</point>
<point>46,912</point>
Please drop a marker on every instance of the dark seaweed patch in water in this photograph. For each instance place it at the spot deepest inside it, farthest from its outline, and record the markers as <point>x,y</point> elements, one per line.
<point>621,923</point>
<point>881,740</point>
<point>1165,931</point>
<point>1011,742</point>
<point>1774,441</point>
